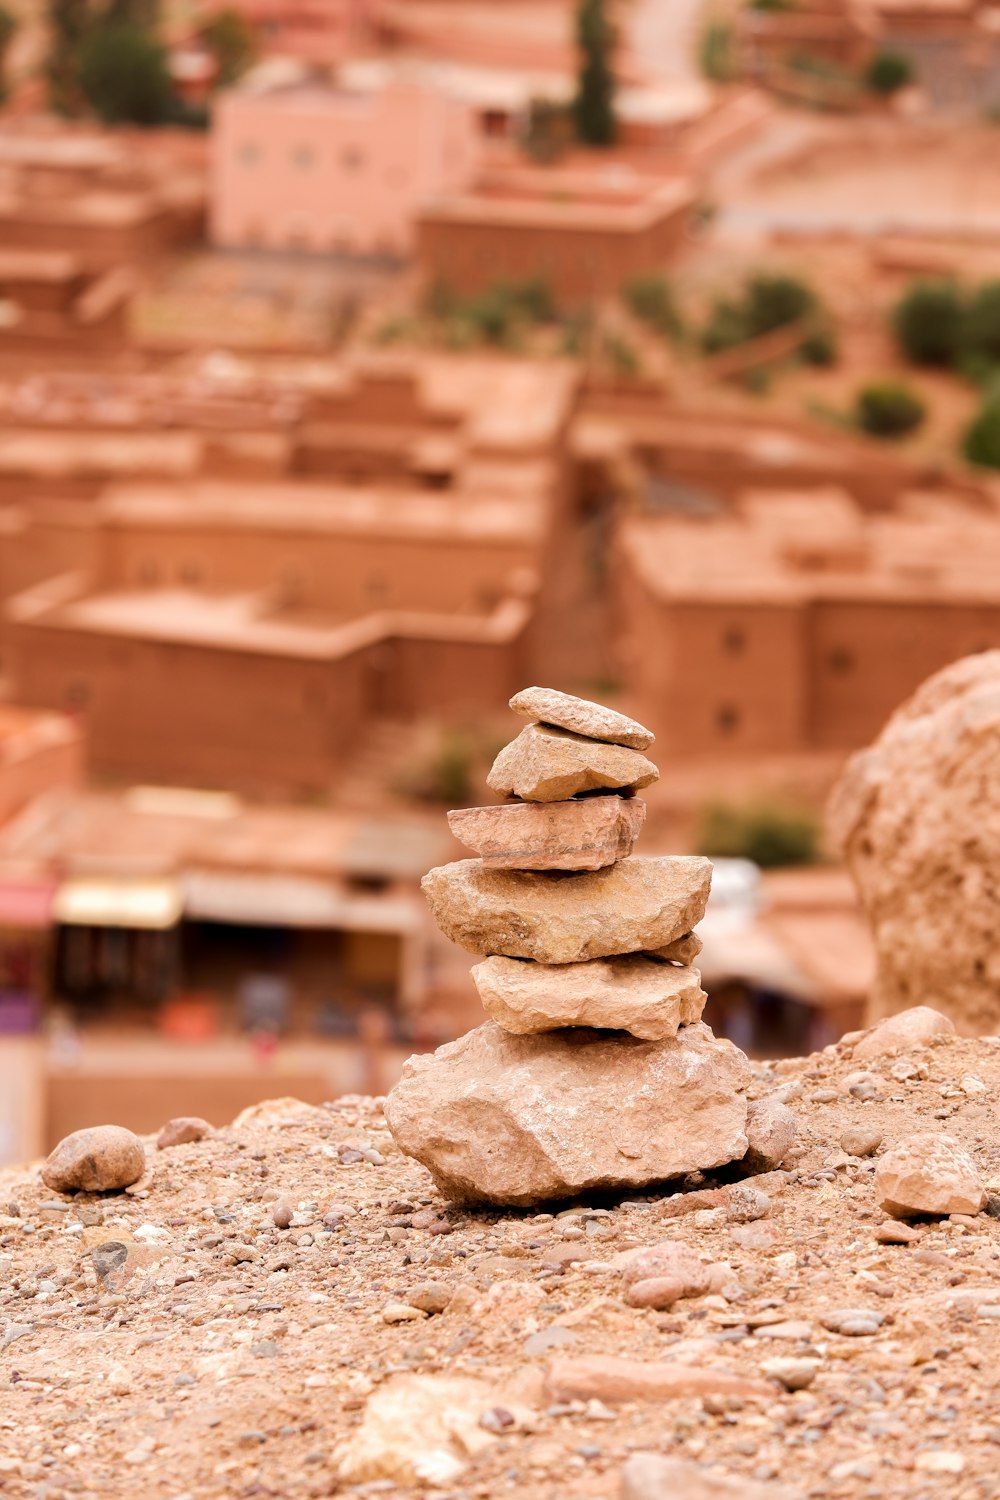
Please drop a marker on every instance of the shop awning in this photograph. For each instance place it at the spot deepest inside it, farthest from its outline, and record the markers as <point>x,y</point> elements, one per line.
<point>103,902</point>
<point>292,901</point>
<point>23,904</point>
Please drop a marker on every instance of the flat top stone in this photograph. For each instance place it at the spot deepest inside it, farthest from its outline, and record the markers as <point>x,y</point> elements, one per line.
<point>551,765</point>
<point>549,706</point>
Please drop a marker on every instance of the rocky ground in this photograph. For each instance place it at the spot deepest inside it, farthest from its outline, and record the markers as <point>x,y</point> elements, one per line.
<point>173,1341</point>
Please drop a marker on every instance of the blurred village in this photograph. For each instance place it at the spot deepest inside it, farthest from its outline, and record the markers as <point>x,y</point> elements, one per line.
<point>364,361</point>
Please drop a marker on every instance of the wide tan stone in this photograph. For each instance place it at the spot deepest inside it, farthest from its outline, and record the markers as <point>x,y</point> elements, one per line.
<point>520,1120</point>
<point>606,1377</point>
<point>549,706</point>
<point>928,1174</point>
<point>654,1476</point>
<point>550,765</point>
<point>96,1160</point>
<point>585,834</point>
<point>918,819</point>
<point>633,993</point>
<point>639,903</point>
<point>909,1028</point>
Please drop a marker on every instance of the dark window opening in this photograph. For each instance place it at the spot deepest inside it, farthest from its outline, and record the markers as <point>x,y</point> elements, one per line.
<point>734,640</point>
<point>727,719</point>
<point>841,660</point>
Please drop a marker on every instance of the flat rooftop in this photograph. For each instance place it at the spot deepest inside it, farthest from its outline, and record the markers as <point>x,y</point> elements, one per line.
<point>411,514</point>
<point>160,830</point>
<point>25,731</point>
<point>523,204</point>
<point>789,549</point>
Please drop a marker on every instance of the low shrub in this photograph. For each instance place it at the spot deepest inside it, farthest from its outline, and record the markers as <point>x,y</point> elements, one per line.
<point>888,409</point>
<point>620,355</point>
<point>819,347</point>
<point>770,834</point>
<point>650,299</point>
<point>888,72</point>
<point>766,304</point>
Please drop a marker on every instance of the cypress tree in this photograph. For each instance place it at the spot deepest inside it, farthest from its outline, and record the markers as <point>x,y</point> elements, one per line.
<point>594,105</point>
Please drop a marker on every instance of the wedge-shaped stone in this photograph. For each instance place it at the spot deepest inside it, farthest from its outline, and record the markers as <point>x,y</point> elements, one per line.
<point>549,765</point>
<point>558,918</point>
<point>549,706</point>
<point>521,1120</point>
<point>585,834</point>
<point>683,950</point>
<point>631,993</point>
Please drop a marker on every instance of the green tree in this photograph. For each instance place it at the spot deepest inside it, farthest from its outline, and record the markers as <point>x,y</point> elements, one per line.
<point>929,320</point>
<point>8,26</point>
<point>981,324</point>
<point>72,26</point>
<point>982,441</point>
<point>124,76</point>
<point>69,25</point>
<point>594,104</point>
<point>231,42</point>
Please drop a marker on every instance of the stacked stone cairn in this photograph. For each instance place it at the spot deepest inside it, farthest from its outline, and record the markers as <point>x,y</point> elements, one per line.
<point>594,1071</point>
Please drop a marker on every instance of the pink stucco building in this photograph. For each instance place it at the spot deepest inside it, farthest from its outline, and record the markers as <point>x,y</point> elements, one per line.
<point>314,167</point>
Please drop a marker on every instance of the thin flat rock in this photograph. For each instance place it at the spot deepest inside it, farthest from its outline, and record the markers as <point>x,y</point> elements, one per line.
<point>549,706</point>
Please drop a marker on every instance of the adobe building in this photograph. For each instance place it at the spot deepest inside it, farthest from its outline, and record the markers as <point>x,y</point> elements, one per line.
<point>245,635</point>
<point>843,33</point>
<point>317,31</point>
<point>50,304</point>
<point>183,950</point>
<point>584,232</point>
<point>797,621</point>
<point>326,169</point>
<point>109,199</point>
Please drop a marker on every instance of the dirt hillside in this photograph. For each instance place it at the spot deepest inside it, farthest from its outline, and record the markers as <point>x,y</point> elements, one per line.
<point>172,1341</point>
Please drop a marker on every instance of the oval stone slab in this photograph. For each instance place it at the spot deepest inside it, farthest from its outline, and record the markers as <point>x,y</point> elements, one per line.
<point>549,706</point>
<point>638,904</point>
<point>521,1120</point>
<point>585,834</point>
<point>551,765</point>
<point>630,993</point>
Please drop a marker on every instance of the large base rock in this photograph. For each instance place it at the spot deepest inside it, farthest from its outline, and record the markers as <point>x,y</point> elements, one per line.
<point>521,1120</point>
<point>557,918</point>
<point>918,818</point>
<point>633,993</point>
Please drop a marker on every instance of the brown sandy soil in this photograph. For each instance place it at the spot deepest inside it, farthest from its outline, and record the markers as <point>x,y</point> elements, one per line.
<point>230,1357</point>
